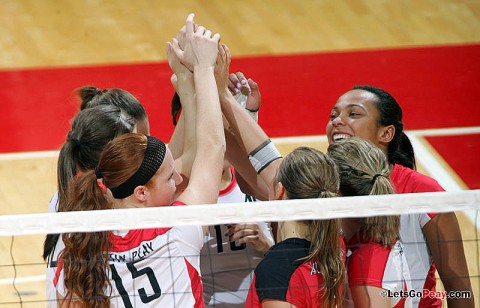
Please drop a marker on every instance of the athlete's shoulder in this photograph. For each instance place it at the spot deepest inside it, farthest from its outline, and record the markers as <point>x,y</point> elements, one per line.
<point>367,261</point>
<point>282,259</point>
<point>406,180</point>
<point>273,274</point>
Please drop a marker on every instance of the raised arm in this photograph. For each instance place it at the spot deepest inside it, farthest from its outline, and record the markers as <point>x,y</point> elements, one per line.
<point>185,134</point>
<point>250,136</point>
<point>248,180</point>
<point>199,55</point>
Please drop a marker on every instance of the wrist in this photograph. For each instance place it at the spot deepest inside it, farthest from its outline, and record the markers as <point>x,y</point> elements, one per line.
<point>203,68</point>
<point>252,111</point>
<point>223,91</point>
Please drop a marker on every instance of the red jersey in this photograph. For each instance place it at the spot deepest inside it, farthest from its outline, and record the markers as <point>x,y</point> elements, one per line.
<point>281,276</point>
<point>372,264</point>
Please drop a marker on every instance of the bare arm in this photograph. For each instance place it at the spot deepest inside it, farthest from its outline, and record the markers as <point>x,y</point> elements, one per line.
<point>248,180</point>
<point>185,131</point>
<point>176,140</point>
<point>199,55</point>
<point>277,304</point>
<point>445,242</point>
<point>248,133</point>
<point>247,177</point>
<point>369,297</point>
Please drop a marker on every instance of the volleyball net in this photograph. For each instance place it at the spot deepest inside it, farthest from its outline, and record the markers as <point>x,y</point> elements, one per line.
<point>22,271</point>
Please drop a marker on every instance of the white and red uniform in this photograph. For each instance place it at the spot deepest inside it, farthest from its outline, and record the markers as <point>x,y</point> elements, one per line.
<point>52,260</point>
<point>153,268</point>
<point>227,268</point>
<point>422,268</point>
<point>372,264</point>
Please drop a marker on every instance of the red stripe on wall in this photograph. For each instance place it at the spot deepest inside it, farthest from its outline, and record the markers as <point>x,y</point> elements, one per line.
<point>436,87</point>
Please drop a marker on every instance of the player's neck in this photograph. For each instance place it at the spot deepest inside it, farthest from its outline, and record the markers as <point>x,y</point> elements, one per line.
<point>293,229</point>
<point>349,227</point>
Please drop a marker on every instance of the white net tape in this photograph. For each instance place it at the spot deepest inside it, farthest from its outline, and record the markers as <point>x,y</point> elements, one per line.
<point>239,212</point>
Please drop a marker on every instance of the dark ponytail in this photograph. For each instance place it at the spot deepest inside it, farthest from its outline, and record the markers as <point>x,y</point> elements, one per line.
<point>404,155</point>
<point>91,129</point>
<point>86,95</point>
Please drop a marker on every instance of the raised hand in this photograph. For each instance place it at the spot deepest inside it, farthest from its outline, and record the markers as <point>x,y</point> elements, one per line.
<point>179,70</point>
<point>201,48</point>
<point>221,67</point>
<point>238,83</point>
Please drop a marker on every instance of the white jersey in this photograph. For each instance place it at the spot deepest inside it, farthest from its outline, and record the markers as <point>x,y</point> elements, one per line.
<point>153,268</point>
<point>227,268</point>
<point>417,255</point>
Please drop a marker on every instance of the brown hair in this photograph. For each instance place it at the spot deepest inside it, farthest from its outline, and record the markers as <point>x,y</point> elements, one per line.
<point>364,170</point>
<point>91,129</point>
<point>91,96</point>
<point>309,173</point>
<point>86,254</point>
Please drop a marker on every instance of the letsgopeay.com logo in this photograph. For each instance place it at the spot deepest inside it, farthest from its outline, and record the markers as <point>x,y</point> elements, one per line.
<point>426,294</point>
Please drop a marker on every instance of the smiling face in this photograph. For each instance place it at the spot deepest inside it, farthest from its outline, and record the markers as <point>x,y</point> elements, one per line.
<point>356,114</point>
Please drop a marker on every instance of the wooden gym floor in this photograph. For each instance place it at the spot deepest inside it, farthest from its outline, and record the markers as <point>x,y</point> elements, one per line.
<point>49,33</point>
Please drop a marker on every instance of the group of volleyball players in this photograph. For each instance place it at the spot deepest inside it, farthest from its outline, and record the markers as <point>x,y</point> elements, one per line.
<point>219,153</point>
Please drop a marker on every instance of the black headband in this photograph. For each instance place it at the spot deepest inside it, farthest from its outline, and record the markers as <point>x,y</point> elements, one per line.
<point>154,155</point>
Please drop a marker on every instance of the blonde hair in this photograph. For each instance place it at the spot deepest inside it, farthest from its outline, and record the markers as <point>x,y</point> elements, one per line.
<point>308,173</point>
<point>364,170</point>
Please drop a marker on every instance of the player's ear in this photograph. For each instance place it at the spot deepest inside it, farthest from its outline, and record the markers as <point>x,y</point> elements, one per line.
<point>386,134</point>
<point>140,193</point>
<point>279,191</point>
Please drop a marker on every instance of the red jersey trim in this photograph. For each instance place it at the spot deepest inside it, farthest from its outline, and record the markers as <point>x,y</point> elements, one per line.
<point>134,237</point>
<point>58,271</point>
<point>196,283</point>
<point>230,186</point>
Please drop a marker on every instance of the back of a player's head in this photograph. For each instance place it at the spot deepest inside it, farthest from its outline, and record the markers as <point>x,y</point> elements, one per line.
<point>308,173</point>
<point>364,169</point>
<point>91,96</point>
<point>91,129</point>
